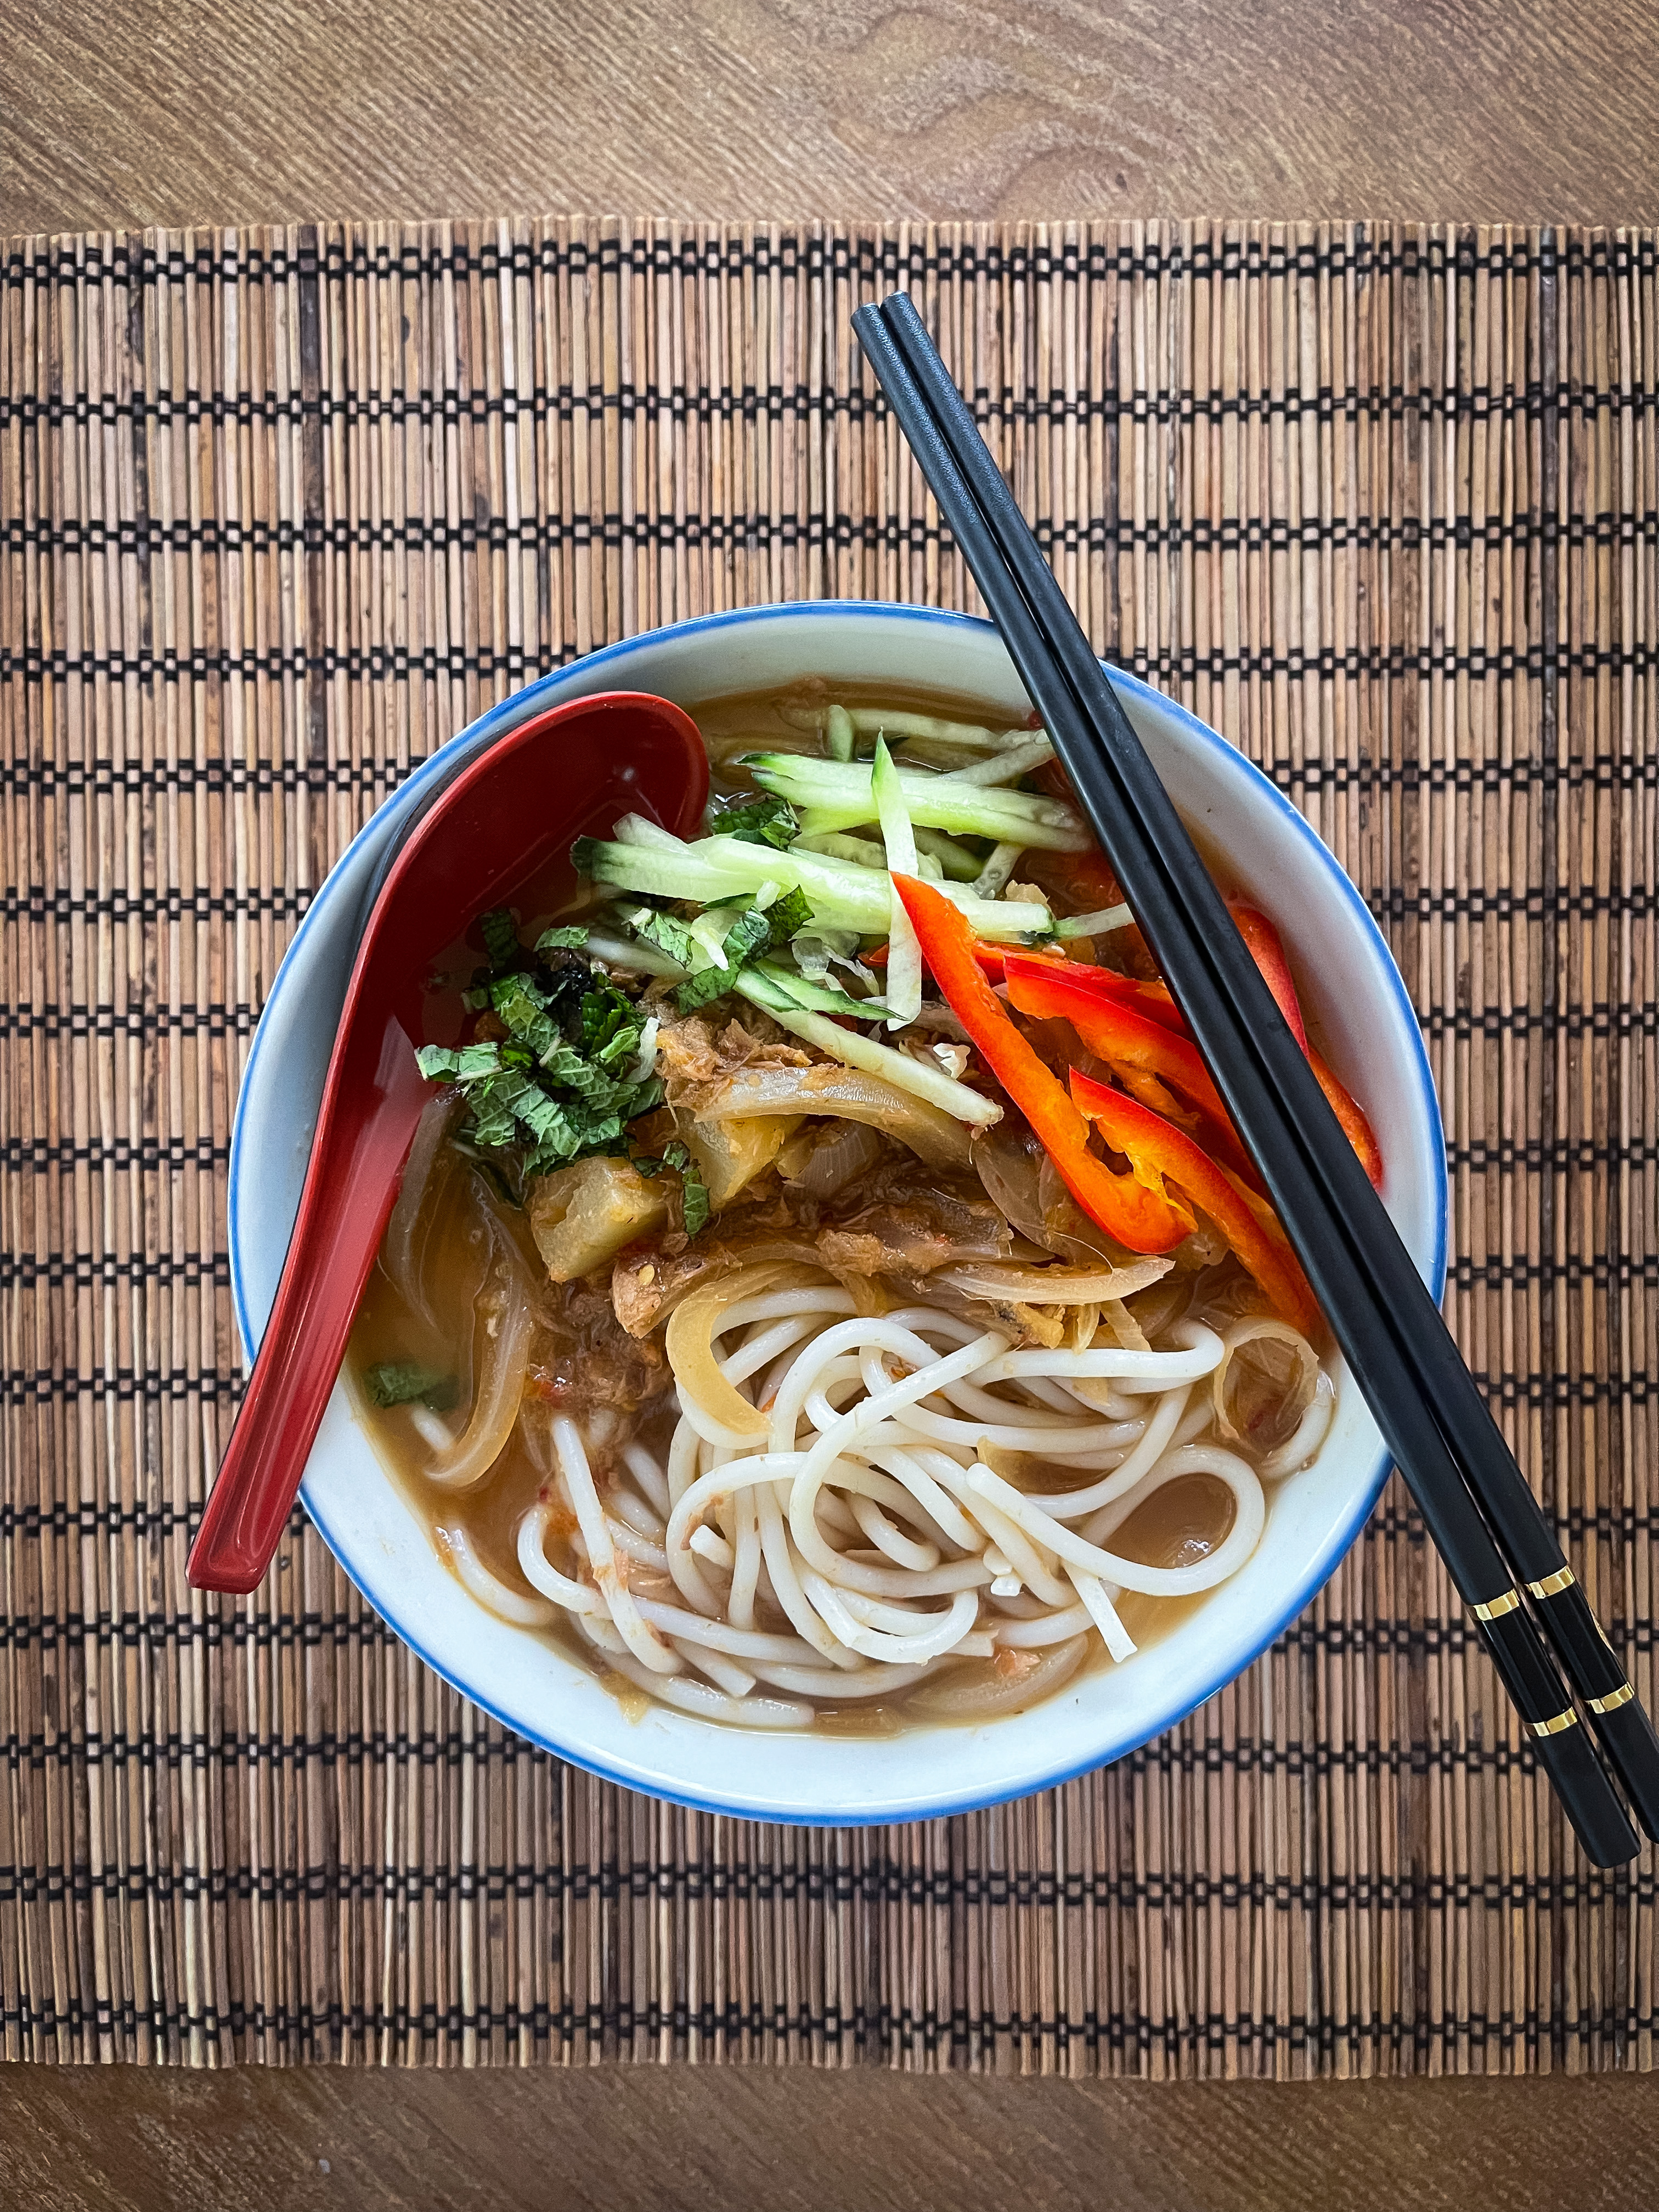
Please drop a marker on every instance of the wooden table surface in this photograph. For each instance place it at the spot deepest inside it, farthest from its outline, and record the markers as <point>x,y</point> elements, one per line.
<point>196,112</point>
<point>212,111</point>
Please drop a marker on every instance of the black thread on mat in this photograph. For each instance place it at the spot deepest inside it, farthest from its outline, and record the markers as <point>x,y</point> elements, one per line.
<point>237,259</point>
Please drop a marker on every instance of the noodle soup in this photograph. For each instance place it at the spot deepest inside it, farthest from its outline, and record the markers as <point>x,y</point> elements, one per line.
<point>825,1291</point>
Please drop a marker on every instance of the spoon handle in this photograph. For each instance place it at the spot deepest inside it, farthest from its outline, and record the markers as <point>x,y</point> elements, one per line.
<point>351,1184</point>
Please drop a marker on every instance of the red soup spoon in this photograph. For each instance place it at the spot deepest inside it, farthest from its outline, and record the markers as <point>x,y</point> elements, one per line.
<point>498,834</point>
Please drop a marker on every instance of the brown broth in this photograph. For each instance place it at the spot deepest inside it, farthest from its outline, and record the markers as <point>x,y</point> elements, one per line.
<point>461,1213</point>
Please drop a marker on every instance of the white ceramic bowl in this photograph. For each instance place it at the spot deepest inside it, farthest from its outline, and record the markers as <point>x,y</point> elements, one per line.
<point>526,1680</point>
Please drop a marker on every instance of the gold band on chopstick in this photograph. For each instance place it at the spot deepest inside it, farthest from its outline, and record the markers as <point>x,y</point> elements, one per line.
<point>1566,1720</point>
<point>1563,1578</point>
<point>1498,1607</point>
<point>1614,1699</point>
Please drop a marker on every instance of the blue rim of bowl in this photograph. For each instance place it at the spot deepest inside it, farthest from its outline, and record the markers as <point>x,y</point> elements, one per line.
<point>508,713</point>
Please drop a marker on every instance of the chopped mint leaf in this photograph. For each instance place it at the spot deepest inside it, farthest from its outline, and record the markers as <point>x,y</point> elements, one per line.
<point>757,929</point>
<point>500,937</point>
<point>786,915</point>
<point>523,1007</point>
<point>766,821</point>
<point>661,930</point>
<point>566,991</point>
<point>475,1061</point>
<point>492,1113</point>
<point>586,1077</point>
<point>401,1382</point>
<point>563,940</point>
<point>694,1192</point>
<point>564,1081</point>
<point>752,932</point>
<point>675,1156</point>
<point>697,990</point>
<point>604,1014</point>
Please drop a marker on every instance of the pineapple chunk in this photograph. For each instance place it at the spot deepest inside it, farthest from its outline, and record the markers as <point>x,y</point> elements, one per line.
<point>581,1216</point>
<point>729,1155</point>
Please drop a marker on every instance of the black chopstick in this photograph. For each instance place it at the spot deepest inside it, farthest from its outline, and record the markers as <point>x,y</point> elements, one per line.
<point>1382,1318</point>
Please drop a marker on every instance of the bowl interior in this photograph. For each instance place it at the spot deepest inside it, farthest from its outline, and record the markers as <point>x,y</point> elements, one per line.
<point>527,1681</point>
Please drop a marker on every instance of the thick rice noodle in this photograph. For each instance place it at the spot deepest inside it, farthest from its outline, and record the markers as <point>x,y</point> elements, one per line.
<point>837,1535</point>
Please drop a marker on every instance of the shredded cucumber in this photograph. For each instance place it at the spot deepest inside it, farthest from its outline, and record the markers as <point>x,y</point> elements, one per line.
<point>989,883</point>
<point>841,895</point>
<point>637,829</point>
<point>763,986</point>
<point>1101,923</point>
<point>896,726</point>
<point>839,796</point>
<point>955,861</point>
<point>903,949</point>
<point>630,953</point>
<point>1005,767</point>
<point>862,851</point>
<point>838,732</point>
<point>855,1050</point>
<point>819,998</point>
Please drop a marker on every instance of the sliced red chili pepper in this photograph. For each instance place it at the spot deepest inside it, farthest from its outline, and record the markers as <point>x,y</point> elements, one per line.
<point>1352,1115</point>
<point>1262,940</point>
<point>1153,1001</point>
<point>989,957</point>
<point>1139,1217</point>
<point>1155,1149</point>
<point>1131,1045</point>
<point>1267,950</point>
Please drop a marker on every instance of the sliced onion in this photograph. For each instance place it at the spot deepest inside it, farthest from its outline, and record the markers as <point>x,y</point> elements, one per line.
<point>1299,1394</point>
<point>1066,1228</point>
<point>845,1150</point>
<point>689,1345</point>
<point>1054,1287</point>
<point>849,1093</point>
<point>397,1253</point>
<point>1020,1176</point>
<point>500,1386</point>
<point>1124,1328</point>
<point>1006,1159</point>
<point>1305,1440</point>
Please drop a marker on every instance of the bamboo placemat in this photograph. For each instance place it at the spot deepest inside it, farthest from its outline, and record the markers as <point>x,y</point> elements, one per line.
<point>284,509</point>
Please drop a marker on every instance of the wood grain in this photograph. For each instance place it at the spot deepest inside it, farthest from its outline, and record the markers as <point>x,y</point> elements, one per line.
<point>267,110</point>
<point>120,2140</point>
